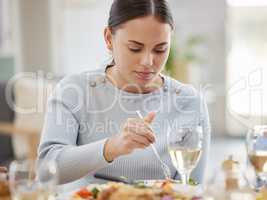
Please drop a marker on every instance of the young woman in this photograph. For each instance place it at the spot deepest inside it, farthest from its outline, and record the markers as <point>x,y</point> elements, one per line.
<point>91,123</point>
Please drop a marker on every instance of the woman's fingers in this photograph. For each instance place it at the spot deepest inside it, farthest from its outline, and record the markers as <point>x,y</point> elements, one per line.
<point>141,140</point>
<point>140,146</point>
<point>137,133</point>
<point>150,117</point>
<point>148,135</point>
<point>141,128</point>
<point>137,144</point>
<point>144,132</point>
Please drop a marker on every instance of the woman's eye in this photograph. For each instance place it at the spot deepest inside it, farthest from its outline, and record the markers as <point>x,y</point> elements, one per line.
<point>135,50</point>
<point>160,50</point>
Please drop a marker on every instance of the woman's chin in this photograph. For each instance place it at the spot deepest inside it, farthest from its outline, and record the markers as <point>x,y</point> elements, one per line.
<point>144,82</point>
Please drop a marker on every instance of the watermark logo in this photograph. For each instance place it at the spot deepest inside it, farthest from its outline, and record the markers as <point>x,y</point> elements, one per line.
<point>245,99</point>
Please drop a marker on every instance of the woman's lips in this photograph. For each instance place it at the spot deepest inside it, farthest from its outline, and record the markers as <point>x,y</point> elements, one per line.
<point>144,75</point>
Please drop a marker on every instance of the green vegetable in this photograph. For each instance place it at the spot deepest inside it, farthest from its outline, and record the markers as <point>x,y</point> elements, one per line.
<point>95,192</point>
<point>192,182</point>
<point>140,185</point>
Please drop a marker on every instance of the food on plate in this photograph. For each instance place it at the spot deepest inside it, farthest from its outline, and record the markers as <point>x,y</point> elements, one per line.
<point>118,191</point>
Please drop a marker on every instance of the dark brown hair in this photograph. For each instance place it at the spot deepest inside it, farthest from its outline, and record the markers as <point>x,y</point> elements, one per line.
<point>124,10</point>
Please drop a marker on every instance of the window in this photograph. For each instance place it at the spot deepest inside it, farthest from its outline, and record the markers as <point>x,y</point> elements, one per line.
<point>77,29</point>
<point>5,27</point>
<point>247,61</point>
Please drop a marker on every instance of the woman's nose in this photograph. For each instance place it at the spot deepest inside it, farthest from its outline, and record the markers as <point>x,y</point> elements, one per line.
<point>147,59</point>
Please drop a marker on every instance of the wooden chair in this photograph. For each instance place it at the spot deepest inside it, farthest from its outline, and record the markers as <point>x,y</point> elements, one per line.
<point>32,138</point>
<point>31,135</point>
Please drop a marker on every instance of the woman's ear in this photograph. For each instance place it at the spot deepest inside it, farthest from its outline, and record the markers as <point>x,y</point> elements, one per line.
<point>108,38</point>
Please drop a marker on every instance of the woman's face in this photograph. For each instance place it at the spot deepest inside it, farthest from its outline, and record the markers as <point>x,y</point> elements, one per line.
<point>140,49</point>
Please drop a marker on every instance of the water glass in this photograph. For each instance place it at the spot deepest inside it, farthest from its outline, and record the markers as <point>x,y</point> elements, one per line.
<point>26,184</point>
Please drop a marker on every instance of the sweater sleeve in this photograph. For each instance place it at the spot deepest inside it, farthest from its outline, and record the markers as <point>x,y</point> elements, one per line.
<point>60,133</point>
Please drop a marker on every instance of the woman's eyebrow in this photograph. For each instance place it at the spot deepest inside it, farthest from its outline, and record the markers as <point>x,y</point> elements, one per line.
<point>162,44</point>
<point>139,43</point>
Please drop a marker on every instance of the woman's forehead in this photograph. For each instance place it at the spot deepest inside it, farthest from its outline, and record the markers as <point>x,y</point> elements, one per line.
<point>145,29</point>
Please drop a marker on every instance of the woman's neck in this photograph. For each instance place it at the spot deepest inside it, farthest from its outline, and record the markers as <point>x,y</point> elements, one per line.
<point>117,80</point>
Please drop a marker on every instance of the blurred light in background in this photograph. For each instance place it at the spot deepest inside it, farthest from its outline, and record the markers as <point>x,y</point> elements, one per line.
<point>239,3</point>
<point>247,58</point>
<point>78,30</point>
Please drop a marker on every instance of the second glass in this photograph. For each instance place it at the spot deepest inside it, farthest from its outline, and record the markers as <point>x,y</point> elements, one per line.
<point>26,185</point>
<point>256,144</point>
<point>185,148</point>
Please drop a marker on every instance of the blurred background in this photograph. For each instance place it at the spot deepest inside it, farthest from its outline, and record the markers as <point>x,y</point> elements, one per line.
<point>219,45</point>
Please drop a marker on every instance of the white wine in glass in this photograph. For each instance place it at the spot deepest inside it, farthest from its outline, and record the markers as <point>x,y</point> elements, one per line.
<point>184,159</point>
<point>258,160</point>
<point>185,147</point>
<point>257,152</point>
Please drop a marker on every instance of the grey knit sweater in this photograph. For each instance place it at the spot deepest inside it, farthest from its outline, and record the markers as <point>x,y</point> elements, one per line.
<point>85,109</point>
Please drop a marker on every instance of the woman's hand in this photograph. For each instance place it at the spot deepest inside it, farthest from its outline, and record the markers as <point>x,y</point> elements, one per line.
<point>135,134</point>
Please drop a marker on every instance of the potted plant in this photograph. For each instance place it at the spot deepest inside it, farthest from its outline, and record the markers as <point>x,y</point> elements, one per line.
<point>182,55</point>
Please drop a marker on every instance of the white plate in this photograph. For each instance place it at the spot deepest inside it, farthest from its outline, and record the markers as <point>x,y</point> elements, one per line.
<point>184,189</point>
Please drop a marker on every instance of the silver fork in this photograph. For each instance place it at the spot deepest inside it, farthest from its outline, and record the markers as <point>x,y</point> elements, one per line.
<point>165,168</point>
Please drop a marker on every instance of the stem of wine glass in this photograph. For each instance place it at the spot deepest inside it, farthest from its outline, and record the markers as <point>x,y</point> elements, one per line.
<point>185,178</point>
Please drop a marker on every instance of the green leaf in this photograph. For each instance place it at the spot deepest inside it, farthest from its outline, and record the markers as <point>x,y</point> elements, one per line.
<point>193,182</point>
<point>95,192</point>
<point>140,185</point>
<point>183,52</point>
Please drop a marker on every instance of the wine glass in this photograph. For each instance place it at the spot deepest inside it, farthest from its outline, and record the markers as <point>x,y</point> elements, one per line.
<point>185,147</point>
<point>26,184</point>
<point>256,143</point>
